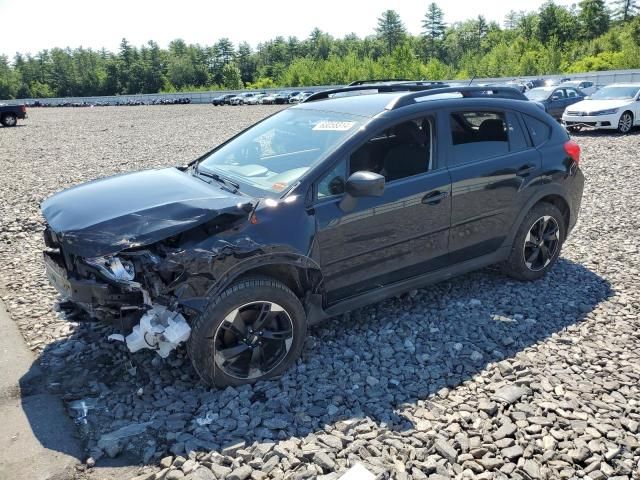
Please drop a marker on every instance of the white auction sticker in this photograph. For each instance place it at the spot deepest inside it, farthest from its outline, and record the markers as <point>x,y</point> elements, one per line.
<point>334,126</point>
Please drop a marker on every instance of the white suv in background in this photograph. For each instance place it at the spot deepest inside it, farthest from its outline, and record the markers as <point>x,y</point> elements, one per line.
<point>614,107</point>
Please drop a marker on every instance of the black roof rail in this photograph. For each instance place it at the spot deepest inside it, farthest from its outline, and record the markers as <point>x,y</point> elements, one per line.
<point>382,80</point>
<point>409,86</point>
<point>466,92</point>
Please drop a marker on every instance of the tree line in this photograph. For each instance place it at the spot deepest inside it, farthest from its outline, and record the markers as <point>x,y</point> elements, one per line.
<point>592,35</point>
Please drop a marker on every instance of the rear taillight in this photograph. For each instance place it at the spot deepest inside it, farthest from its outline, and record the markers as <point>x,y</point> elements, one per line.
<point>23,108</point>
<point>573,150</point>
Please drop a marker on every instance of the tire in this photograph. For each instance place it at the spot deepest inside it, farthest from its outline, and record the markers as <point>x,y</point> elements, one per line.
<point>522,263</point>
<point>9,120</point>
<point>225,326</point>
<point>625,124</point>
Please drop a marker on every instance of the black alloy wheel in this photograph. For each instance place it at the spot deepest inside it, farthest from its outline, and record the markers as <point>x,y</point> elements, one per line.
<point>541,243</point>
<point>537,243</point>
<point>253,340</point>
<point>252,331</point>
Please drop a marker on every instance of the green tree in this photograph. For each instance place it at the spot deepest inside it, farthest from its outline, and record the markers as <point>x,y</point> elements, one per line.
<point>231,77</point>
<point>625,9</point>
<point>246,63</point>
<point>390,29</point>
<point>433,29</point>
<point>593,18</point>
<point>555,22</point>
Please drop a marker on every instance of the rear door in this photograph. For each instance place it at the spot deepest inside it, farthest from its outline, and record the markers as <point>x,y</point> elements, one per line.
<point>491,161</point>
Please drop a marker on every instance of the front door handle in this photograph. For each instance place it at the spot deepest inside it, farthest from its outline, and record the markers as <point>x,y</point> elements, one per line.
<point>525,170</point>
<point>434,198</point>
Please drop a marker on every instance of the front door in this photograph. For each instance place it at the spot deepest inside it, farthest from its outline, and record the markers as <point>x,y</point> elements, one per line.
<point>402,234</point>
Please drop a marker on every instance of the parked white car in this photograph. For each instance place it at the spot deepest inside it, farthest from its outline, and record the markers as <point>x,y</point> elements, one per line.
<point>254,99</point>
<point>614,107</point>
<point>587,87</point>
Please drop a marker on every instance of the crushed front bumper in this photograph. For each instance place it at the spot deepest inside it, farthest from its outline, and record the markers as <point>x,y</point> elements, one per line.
<point>102,300</point>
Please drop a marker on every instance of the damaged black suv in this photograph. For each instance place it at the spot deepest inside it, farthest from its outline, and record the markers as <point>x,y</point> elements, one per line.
<point>352,196</point>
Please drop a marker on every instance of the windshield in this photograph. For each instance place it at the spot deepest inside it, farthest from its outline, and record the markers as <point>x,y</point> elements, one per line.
<point>615,93</point>
<point>273,154</point>
<point>538,94</point>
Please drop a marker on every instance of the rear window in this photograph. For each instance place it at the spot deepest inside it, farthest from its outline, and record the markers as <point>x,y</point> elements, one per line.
<point>538,130</point>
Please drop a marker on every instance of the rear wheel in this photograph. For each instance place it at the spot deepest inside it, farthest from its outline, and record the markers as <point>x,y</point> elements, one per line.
<point>9,120</point>
<point>625,124</point>
<point>254,330</point>
<point>537,244</point>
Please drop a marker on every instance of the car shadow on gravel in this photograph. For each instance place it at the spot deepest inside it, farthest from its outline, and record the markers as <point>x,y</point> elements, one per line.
<point>381,362</point>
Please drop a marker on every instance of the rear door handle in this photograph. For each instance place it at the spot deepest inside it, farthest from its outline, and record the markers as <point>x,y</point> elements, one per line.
<point>434,198</point>
<point>525,170</point>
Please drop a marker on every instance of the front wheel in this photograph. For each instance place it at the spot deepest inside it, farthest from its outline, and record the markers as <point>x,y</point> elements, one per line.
<point>254,330</point>
<point>9,120</point>
<point>625,124</point>
<point>537,243</point>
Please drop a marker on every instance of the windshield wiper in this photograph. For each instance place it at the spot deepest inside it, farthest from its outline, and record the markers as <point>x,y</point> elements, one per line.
<point>217,178</point>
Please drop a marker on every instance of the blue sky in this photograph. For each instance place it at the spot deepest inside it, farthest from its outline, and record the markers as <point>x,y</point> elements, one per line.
<point>32,25</point>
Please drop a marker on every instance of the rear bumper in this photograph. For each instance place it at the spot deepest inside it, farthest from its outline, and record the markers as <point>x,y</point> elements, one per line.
<point>575,197</point>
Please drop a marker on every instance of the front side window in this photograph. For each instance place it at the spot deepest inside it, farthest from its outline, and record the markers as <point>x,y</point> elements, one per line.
<point>404,150</point>
<point>333,183</point>
<point>275,153</point>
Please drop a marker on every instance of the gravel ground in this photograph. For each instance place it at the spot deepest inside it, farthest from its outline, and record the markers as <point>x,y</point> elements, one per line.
<point>478,377</point>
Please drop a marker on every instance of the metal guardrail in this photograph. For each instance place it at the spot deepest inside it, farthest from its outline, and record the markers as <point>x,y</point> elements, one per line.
<point>599,78</point>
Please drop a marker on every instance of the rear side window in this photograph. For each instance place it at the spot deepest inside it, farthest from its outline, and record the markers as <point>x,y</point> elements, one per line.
<point>478,136</point>
<point>539,130</point>
<point>517,139</point>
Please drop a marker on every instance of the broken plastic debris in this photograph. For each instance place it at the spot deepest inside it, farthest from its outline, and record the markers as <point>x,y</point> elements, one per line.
<point>358,472</point>
<point>82,408</point>
<point>208,419</point>
<point>160,329</point>
<point>116,336</point>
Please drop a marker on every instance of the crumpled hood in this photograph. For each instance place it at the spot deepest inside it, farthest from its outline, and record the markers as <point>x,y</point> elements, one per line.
<point>134,209</point>
<point>597,105</point>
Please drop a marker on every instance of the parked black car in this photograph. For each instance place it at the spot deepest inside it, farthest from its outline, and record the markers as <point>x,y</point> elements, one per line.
<point>322,208</point>
<point>9,114</point>
<point>281,98</point>
<point>555,99</point>
<point>222,99</point>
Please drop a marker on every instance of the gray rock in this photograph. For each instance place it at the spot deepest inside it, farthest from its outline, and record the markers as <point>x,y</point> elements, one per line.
<point>532,468</point>
<point>510,394</point>
<point>275,423</point>
<point>506,430</point>
<point>446,450</point>
<point>324,461</point>
<point>240,473</point>
<point>201,473</point>
<point>512,453</point>
<point>174,475</point>
<point>220,471</point>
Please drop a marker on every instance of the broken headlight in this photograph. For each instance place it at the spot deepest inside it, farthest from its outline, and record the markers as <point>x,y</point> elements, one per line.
<point>114,268</point>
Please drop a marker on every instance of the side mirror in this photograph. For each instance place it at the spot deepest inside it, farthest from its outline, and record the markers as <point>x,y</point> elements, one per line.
<point>361,184</point>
